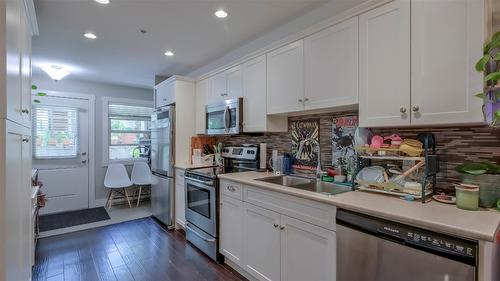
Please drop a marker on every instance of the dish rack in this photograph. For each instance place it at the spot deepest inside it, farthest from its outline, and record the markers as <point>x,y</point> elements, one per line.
<point>428,162</point>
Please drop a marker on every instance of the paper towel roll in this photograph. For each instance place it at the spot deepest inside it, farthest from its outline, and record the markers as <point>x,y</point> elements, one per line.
<point>263,156</point>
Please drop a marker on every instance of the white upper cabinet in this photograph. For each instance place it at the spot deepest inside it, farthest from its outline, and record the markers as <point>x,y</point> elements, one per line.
<point>202,90</point>
<point>164,93</point>
<point>234,80</point>
<point>384,65</point>
<point>12,106</point>
<point>331,66</point>
<point>446,42</point>
<point>218,88</point>
<point>255,118</point>
<point>285,79</point>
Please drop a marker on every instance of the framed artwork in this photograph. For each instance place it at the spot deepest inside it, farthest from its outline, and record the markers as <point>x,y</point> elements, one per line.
<point>343,131</point>
<point>305,141</point>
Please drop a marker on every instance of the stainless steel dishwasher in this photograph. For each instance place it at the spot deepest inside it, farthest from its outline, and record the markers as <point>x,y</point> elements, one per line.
<point>372,249</point>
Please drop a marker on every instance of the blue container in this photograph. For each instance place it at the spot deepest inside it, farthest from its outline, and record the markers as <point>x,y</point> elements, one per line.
<point>287,164</point>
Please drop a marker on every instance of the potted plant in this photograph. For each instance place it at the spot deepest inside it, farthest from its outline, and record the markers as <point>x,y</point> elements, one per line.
<point>489,64</point>
<point>485,174</point>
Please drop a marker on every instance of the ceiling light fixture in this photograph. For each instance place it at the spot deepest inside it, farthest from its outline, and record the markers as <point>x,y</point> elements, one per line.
<point>104,2</point>
<point>221,14</point>
<point>169,53</point>
<point>90,35</point>
<point>56,72</point>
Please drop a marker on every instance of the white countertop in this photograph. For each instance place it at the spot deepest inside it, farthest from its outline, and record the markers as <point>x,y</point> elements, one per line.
<point>480,225</point>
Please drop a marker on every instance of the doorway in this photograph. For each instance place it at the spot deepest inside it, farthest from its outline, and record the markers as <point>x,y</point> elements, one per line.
<point>63,142</point>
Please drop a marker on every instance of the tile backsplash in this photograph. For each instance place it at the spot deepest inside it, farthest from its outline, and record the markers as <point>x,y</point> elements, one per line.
<point>454,144</point>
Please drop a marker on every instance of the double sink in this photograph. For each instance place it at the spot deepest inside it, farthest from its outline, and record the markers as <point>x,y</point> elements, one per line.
<point>307,184</point>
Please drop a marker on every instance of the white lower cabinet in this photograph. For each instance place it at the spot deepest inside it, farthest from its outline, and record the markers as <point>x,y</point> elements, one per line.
<point>261,242</point>
<point>180,199</point>
<point>231,229</point>
<point>307,251</point>
<point>269,245</point>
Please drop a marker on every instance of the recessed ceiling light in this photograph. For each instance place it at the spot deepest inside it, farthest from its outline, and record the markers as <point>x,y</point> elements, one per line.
<point>90,35</point>
<point>104,2</point>
<point>56,72</point>
<point>221,14</point>
<point>169,53</point>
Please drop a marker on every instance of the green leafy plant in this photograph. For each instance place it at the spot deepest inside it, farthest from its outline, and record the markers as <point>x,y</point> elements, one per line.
<point>39,94</point>
<point>478,168</point>
<point>489,65</point>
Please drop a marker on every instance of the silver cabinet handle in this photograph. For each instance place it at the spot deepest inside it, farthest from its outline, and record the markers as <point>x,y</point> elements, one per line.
<point>416,108</point>
<point>300,100</point>
<point>306,99</point>
<point>25,139</point>
<point>84,161</point>
<point>25,111</point>
<point>402,110</point>
<point>282,227</point>
<point>275,225</point>
<point>230,188</point>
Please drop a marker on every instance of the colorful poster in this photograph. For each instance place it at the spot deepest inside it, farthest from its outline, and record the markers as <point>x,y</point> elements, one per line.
<point>305,141</point>
<point>343,131</point>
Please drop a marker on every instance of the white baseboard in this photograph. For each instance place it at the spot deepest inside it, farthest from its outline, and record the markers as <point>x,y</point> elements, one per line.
<point>240,270</point>
<point>180,224</point>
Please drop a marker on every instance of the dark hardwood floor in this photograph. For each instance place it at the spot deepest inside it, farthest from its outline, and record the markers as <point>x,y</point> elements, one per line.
<point>138,250</point>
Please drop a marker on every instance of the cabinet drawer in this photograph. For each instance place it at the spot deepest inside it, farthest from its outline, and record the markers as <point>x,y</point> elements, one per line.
<point>306,210</point>
<point>232,189</point>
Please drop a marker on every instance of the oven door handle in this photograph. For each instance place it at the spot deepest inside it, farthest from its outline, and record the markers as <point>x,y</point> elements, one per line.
<point>211,183</point>
<point>227,118</point>
<point>211,240</point>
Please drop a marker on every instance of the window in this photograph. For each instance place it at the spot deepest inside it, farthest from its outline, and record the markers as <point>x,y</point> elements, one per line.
<point>55,131</point>
<point>128,130</point>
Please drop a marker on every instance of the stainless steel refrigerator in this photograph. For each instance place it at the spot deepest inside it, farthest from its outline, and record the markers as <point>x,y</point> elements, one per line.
<point>162,164</point>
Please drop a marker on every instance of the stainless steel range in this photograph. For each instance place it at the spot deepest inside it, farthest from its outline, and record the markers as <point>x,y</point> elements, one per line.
<point>202,215</point>
<point>202,196</point>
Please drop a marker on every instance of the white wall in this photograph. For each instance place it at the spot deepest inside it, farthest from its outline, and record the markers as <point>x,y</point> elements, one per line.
<point>99,90</point>
<point>290,28</point>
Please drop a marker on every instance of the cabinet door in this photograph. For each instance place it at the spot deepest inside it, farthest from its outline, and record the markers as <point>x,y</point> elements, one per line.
<point>285,79</point>
<point>446,42</point>
<point>261,236</point>
<point>218,88</point>
<point>234,82</point>
<point>331,66</point>
<point>307,251</point>
<point>384,65</point>
<point>202,88</point>
<point>13,104</point>
<point>231,229</point>
<point>180,198</point>
<point>18,204</point>
<point>254,95</point>
<point>165,94</point>
<point>25,70</point>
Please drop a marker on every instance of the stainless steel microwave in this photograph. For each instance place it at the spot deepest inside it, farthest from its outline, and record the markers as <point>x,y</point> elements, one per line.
<point>225,118</point>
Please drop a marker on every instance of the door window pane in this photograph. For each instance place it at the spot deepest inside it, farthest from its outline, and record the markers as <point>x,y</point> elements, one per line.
<point>198,200</point>
<point>55,130</point>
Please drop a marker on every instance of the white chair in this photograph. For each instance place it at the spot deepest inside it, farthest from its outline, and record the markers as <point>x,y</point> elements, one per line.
<point>117,180</point>
<point>141,176</point>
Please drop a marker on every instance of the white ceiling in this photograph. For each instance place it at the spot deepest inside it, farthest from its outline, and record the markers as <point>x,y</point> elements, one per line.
<point>122,55</point>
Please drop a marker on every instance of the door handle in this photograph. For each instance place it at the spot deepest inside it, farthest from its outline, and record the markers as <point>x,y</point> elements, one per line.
<point>227,119</point>
<point>211,240</point>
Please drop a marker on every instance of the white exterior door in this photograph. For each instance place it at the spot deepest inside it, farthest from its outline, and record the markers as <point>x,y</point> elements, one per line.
<point>307,251</point>
<point>444,80</point>
<point>384,65</point>
<point>60,152</point>
<point>285,79</point>
<point>331,66</point>
<point>262,243</point>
